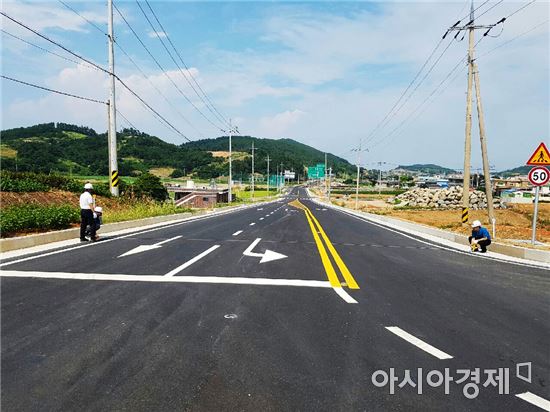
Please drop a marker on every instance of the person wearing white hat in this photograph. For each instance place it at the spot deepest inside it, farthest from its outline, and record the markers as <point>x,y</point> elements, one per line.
<point>87,213</point>
<point>480,238</point>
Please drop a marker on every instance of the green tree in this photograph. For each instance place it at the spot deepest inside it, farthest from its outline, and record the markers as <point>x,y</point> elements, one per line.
<point>150,185</point>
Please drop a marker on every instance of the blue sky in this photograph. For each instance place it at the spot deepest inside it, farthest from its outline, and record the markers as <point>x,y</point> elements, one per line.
<point>323,73</point>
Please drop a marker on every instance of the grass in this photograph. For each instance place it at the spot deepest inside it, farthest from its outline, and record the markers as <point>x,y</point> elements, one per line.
<point>243,194</point>
<point>74,135</point>
<point>7,152</point>
<point>141,211</point>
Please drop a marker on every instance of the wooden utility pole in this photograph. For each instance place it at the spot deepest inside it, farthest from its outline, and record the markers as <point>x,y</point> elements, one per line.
<point>483,141</point>
<point>268,159</point>
<point>113,164</point>
<point>473,76</point>
<point>468,139</point>
<point>252,180</point>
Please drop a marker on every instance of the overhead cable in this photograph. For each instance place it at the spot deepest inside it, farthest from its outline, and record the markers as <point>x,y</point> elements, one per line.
<point>100,68</point>
<point>182,72</point>
<point>184,65</point>
<point>52,90</point>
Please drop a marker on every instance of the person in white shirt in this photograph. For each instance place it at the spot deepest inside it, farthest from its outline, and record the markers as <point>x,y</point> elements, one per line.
<point>87,213</point>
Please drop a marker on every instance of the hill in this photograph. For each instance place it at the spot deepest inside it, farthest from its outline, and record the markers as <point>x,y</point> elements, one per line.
<point>427,168</point>
<point>521,170</point>
<point>81,150</point>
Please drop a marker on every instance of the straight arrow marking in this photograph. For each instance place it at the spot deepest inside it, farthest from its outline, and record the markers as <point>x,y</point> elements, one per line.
<point>145,248</point>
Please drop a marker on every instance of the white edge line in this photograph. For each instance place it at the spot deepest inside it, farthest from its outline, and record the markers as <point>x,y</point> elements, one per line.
<point>173,279</point>
<point>237,233</point>
<point>191,261</point>
<point>535,400</point>
<point>418,343</point>
<point>344,295</point>
<point>437,242</point>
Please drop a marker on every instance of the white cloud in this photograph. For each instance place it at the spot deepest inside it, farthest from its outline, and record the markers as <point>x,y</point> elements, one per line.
<point>43,16</point>
<point>279,124</point>
<point>154,34</point>
<point>328,79</point>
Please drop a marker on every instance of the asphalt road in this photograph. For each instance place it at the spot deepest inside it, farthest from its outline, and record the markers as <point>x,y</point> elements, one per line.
<point>205,321</point>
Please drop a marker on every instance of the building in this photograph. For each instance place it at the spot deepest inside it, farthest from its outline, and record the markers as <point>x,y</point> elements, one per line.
<point>198,197</point>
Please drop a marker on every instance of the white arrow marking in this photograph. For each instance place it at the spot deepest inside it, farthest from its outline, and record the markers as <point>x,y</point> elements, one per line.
<point>267,256</point>
<point>145,248</point>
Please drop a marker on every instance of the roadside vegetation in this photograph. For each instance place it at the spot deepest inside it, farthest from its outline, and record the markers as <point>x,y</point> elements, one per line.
<point>37,202</point>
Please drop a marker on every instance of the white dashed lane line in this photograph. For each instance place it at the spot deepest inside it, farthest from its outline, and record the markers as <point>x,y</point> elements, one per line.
<point>535,400</point>
<point>237,233</point>
<point>418,343</point>
<point>252,224</point>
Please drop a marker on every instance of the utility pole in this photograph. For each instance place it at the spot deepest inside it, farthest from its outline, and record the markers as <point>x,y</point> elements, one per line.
<point>252,181</point>
<point>113,164</point>
<point>267,175</point>
<point>484,156</point>
<point>230,182</point>
<point>472,72</point>
<point>379,178</point>
<point>329,182</point>
<point>277,180</point>
<point>358,150</point>
<point>326,173</point>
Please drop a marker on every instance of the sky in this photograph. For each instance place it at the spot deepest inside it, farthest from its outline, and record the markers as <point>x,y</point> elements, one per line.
<point>326,74</point>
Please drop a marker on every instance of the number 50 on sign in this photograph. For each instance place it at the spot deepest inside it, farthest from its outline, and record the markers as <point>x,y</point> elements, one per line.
<point>539,176</point>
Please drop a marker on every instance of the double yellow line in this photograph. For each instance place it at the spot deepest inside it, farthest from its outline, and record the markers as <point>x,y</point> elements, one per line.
<point>316,230</point>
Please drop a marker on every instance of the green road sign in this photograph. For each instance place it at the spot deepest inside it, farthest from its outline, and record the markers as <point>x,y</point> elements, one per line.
<point>275,180</point>
<point>316,172</point>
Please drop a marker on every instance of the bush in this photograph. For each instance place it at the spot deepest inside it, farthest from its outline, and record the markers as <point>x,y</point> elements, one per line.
<point>18,218</point>
<point>149,185</point>
<point>177,173</point>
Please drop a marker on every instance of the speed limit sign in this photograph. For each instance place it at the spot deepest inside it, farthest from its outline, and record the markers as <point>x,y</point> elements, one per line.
<point>539,176</point>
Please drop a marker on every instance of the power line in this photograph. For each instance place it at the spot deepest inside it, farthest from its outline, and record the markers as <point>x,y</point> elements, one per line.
<point>421,104</point>
<point>520,9</point>
<point>84,18</point>
<point>405,91</point>
<point>153,57</point>
<point>136,66</point>
<point>180,69</point>
<point>126,120</point>
<point>158,90</point>
<point>488,10</point>
<point>100,68</point>
<point>52,90</point>
<point>46,50</point>
<point>224,120</point>
<point>419,83</point>
<point>513,38</point>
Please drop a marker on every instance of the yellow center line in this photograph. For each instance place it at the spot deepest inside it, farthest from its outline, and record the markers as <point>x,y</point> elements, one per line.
<point>331,273</point>
<point>350,280</point>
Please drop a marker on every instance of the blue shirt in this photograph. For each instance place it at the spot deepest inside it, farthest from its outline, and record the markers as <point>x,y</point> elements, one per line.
<point>481,233</point>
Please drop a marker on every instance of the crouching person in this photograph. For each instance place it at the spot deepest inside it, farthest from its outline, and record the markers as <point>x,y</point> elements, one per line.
<point>480,238</point>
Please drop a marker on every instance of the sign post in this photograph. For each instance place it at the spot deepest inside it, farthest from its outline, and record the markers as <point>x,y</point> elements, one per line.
<point>538,176</point>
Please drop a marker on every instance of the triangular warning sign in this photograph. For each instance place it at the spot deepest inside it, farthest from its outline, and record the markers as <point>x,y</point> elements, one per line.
<point>540,157</point>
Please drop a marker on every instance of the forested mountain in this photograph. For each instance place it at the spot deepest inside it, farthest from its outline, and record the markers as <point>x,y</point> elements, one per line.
<point>80,150</point>
<point>427,168</point>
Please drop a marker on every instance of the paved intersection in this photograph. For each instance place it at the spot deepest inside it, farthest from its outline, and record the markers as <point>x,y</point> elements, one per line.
<point>185,317</point>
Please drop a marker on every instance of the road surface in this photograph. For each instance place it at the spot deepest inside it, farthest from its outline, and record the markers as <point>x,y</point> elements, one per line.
<point>285,306</point>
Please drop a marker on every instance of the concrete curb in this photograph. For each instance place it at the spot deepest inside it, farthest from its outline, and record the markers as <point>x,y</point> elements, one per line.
<point>24,242</point>
<point>503,249</point>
